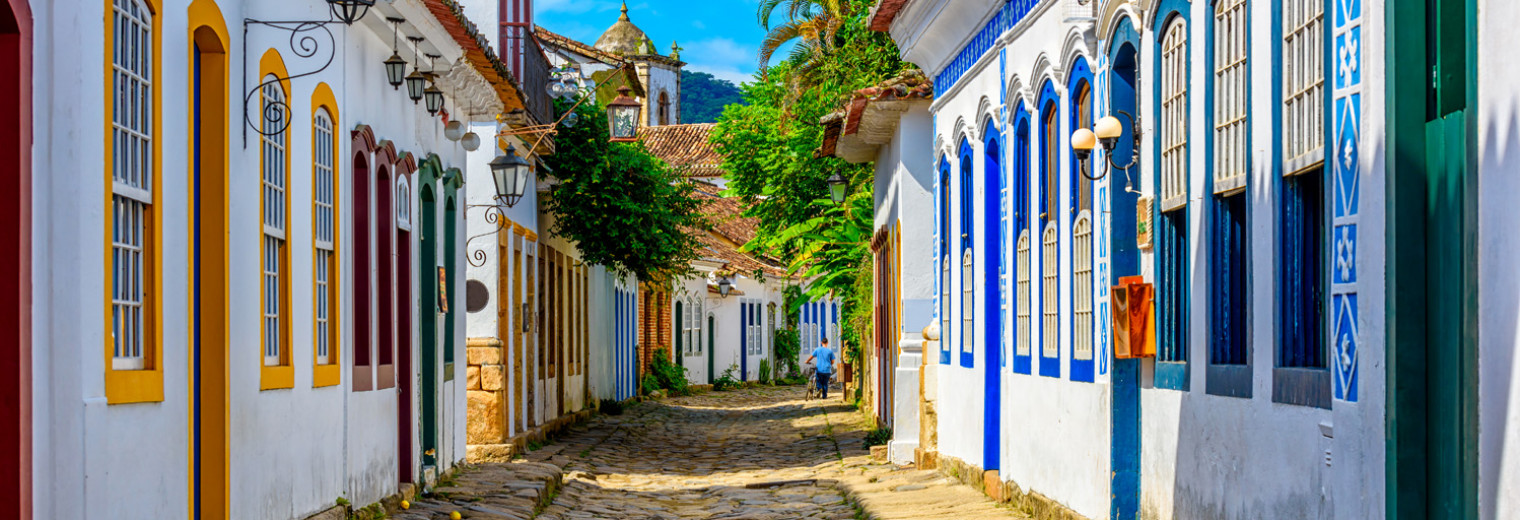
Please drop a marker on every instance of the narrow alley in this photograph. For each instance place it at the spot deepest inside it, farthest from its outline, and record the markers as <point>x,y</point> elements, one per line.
<point>757,453</point>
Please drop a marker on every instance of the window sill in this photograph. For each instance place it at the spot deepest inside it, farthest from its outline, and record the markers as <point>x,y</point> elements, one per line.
<point>134,386</point>
<point>1172,375</point>
<point>1301,386</point>
<point>326,375</point>
<point>278,377</point>
<point>1228,380</point>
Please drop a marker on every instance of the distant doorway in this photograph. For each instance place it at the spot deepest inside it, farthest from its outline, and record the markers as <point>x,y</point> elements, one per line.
<point>15,257</point>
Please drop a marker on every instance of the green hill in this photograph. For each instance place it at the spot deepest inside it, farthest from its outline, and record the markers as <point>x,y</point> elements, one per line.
<point>704,96</point>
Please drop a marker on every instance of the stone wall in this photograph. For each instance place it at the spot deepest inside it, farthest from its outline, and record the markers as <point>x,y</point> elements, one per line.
<point>486,392</point>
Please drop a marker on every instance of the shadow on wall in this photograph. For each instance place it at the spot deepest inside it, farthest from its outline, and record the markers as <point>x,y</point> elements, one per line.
<point>1499,307</point>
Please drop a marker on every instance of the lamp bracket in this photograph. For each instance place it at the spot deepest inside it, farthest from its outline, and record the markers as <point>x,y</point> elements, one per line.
<point>307,43</point>
<point>494,217</point>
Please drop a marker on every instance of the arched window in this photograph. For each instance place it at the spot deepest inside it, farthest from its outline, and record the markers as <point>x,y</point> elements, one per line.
<point>1174,116</point>
<point>324,265</point>
<point>134,163</point>
<point>1081,198</point>
<point>274,258</point>
<point>994,244</point>
<point>968,256</point>
<point>1050,241</point>
<point>1021,178</point>
<point>1171,226</point>
<point>944,259</point>
<point>664,108</point>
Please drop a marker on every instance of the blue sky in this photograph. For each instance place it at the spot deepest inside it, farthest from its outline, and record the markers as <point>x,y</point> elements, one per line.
<point>719,37</point>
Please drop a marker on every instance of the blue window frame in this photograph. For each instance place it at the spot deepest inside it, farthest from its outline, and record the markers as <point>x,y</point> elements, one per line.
<point>967,257</point>
<point>1023,304</point>
<point>995,217</point>
<point>1173,284</point>
<point>944,261</point>
<point>1049,242</point>
<point>1228,96</point>
<point>1301,375</point>
<point>1083,355</point>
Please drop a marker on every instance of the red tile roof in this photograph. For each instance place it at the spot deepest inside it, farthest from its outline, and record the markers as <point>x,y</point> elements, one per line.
<point>685,148</point>
<point>730,231</point>
<point>562,41</point>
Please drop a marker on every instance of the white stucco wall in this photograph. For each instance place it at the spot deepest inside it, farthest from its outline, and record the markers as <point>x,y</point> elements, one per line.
<point>1498,158</point>
<point>293,451</point>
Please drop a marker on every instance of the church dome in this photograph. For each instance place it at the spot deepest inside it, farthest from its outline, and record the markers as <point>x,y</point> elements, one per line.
<point>624,38</point>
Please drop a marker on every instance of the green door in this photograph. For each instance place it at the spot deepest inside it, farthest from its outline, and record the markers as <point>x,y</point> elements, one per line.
<point>1432,369</point>
<point>711,347</point>
<point>428,317</point>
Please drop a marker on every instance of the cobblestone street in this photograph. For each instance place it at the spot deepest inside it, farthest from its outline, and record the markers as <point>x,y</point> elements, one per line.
<point>760,453</point>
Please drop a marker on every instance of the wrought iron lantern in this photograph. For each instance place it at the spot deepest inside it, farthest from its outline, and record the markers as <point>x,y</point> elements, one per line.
<point>395,70</point>
<point>724,287</point>
<point>349,11</point>
<point>511,175</point>
<point>434,97</point>
<point>623,116</point>
<point>415,85</point>
<point>837,187</point>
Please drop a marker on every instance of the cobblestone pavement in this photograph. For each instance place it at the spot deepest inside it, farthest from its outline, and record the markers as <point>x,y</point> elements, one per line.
<point>756,454</point>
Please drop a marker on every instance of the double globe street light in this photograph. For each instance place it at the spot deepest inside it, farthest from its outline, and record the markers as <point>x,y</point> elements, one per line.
<point>1106,133</point>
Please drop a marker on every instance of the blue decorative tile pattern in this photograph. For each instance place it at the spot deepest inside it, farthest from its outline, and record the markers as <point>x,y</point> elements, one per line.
<point>1346,167</point>
<point>1008,16</point>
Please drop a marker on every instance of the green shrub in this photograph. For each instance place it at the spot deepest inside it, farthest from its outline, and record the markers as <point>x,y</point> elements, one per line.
<point>611,407</point>
<point>664,375</point>
<point>765,372</point>
<point>727,380</point>
<point>878,437</point>
<point>788,345</point>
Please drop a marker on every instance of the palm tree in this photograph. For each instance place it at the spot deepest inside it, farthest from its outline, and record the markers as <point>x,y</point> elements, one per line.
<point>812,25</point>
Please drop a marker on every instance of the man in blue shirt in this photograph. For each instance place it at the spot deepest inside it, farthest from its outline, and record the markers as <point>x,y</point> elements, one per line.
<point>825,358</point>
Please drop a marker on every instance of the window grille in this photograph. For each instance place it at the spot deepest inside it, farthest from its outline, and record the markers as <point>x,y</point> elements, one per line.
<point>1303,84</point>
<point>1230,99</point>
<point>968,300</point>
<point>1174,116</point>
<point>272,166</point>
<point>132,163</point>
<point>1050,344</point>
<point>1082,291</point>
<point>322,221</point>
<point>1083,119</point>
<point>1022,317</point>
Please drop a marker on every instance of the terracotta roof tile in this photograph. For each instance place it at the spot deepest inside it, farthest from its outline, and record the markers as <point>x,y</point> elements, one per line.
<point>685,148</point>
<point>730,231</point>
<point>478,51</point>
<point>559,40</point>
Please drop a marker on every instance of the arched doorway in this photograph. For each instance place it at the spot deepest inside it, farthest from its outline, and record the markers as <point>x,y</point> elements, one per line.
<point>210,279</point>
<point>15,260</point>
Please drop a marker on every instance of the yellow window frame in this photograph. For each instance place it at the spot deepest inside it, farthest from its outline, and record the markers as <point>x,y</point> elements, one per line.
<point>330,373</point>
<point>281,376</point>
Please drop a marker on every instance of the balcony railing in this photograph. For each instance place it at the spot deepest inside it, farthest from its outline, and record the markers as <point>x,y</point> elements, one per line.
<point>525,58</point>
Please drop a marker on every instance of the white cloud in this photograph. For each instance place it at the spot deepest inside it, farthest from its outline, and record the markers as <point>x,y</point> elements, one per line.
<point>719,51</point>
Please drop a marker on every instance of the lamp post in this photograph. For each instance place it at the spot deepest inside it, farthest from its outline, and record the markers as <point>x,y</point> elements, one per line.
<point>622,116</point>
<point>837,187</point>
<point>511,175</point>
<point>1105,133</point>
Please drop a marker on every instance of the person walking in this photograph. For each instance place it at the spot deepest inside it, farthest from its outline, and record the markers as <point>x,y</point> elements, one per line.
<point>825,366</point>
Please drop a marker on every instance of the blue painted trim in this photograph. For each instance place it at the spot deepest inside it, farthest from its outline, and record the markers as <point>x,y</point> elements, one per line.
<point>743,340</point>
<point>1006,17</point>
<point>1229,301</point>
<point>1172,253</point>
<point>1124,439</point>
<point>1050,109</point>
<point>943,260</point>
<point>994,293</point>
<point>1021,177</point>
<point>966,339</point>
<point>1081,74</point>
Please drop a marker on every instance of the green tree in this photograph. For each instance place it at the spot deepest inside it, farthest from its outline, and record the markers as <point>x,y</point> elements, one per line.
<point>703,96</point>
<point>621,207</point>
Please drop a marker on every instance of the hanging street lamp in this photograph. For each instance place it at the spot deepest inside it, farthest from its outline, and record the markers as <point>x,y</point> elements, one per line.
<point>1106,133</point>
<point>434,97</point>
<point>724,287</point>
<point>453,130</point>
<point>837,187</point>
<point>395,70</point>
<point>511,175</point>
<point>622,116</point>
<point>470,141</point>
<point>349,11</point>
